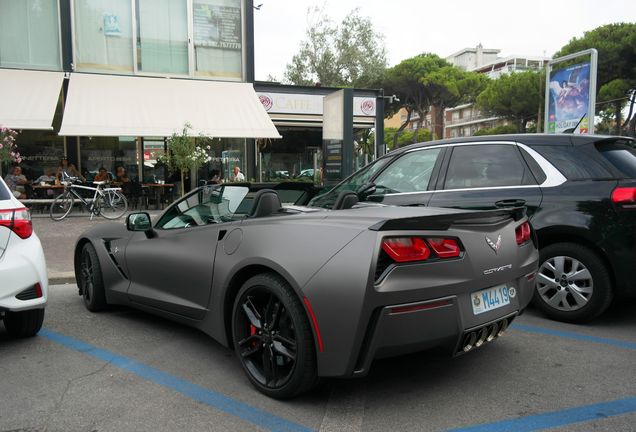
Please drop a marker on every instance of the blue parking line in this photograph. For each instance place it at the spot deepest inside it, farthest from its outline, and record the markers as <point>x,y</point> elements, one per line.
<point>576,336</point>
<point>557,418</point>
<point>211,398</point>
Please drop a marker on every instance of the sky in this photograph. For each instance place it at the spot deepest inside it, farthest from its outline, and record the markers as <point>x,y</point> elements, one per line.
<point>533,28</point>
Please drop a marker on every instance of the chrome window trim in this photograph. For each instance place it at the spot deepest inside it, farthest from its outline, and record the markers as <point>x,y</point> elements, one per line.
<point>553,176</point>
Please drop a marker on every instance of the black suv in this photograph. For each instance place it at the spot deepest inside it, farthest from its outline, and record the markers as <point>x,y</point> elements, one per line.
<point>580,193</point>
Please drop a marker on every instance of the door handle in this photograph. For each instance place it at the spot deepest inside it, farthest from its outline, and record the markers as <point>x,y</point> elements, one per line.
<point>511,203</point>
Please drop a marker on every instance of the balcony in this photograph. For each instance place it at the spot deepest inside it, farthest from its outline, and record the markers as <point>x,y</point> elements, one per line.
<point>477,118</point>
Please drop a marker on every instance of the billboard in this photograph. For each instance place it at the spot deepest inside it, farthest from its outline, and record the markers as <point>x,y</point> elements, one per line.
<point>571,94</point>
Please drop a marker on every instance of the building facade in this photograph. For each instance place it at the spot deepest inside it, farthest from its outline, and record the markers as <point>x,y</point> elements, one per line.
<point>105,82</point>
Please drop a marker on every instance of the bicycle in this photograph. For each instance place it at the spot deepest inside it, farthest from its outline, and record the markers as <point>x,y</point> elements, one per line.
<point>110,203</point>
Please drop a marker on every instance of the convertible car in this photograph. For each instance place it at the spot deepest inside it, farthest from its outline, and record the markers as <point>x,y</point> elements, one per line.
<point>301,293</point>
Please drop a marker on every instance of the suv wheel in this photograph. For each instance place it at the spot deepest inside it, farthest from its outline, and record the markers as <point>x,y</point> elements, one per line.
<point>573,283</point>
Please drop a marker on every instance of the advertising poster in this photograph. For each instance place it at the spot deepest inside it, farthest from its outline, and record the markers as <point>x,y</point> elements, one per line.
<point>217,26</point>
<point>569,99</point>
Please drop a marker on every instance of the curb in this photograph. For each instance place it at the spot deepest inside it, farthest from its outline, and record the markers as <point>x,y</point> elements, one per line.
<point>62,278</point>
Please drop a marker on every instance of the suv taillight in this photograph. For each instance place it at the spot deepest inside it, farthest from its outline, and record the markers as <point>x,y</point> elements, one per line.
<point>18,221</point>
<point>522,233</point>
<point>625,196</point>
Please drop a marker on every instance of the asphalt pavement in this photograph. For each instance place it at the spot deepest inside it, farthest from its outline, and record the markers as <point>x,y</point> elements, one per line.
<point>124,370</point>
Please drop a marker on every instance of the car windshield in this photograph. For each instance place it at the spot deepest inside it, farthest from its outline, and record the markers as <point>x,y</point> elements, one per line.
<point>209,204</point>
<point>352,183</point>
<point>621,154</point>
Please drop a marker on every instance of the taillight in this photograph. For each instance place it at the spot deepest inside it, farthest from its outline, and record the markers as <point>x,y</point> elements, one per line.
<point>406,249</point>
<point>18,221</point>
<point>624,195</point>
<point>522,233</point>
<point>444,247</point>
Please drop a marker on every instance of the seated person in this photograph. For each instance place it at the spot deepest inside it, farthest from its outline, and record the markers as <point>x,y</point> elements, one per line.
<point>17,182</point>
<point>66,169</point>
<point>215,177</point>
<point>102,175</point>
<point>122,180</point>
<point>47,178</point>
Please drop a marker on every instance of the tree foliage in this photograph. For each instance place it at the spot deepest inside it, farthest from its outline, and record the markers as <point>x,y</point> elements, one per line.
<point>616,46</point>
<point>351,54</point>
<point>428,80</point>
<point>515,97</point>
<point>409,136</point>
<point>185,154</point>
<point>497,130</point>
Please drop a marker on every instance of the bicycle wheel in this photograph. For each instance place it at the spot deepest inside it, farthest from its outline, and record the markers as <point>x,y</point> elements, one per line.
<point>112,205</point>
<point>62,206</point>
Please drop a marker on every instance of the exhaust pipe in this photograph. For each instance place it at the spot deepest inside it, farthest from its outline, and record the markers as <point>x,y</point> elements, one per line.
<point>503,327</point>
<point>483,334</point>
<point>469,341</point>
<point>493,331</point>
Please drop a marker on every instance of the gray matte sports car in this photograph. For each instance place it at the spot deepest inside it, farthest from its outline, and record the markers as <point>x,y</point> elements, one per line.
<point>302,293</point>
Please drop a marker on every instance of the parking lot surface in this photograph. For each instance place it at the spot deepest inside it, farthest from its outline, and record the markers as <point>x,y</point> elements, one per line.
<point>124,370</point>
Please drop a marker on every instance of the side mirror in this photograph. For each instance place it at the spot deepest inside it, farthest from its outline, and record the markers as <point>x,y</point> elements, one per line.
<point>139,222</point>
<point>365,190</point>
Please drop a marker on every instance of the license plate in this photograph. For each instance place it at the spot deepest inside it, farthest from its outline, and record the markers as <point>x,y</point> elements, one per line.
<point>490,299</point>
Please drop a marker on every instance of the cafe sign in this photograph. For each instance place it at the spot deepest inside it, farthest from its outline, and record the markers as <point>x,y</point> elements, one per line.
<point>286,103</point>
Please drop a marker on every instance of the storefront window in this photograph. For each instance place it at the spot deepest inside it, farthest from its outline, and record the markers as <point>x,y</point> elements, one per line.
<point>154,168</point>
<point>226,153</point>
<point>30,34</point>
<point>297,156</point>
<point>41,152</point>
<point>110,153</point>
<point>162,36</point>
<point>218,37</point>
<point>103,35</point>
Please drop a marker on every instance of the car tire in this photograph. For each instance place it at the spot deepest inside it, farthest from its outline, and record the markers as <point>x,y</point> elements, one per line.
<point>269,327</point>
<point>90,280</point>
<point>25,323</point>
<point>573,283</point>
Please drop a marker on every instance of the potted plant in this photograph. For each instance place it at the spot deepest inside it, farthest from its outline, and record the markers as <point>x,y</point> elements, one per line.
<point>8,148</point>
<point>185,154</point>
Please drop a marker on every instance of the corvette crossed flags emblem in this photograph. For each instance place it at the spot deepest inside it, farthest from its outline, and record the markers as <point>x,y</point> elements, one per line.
<point>494,246</point>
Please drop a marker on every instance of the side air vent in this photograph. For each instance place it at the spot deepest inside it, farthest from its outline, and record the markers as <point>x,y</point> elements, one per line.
<point>111,255</point>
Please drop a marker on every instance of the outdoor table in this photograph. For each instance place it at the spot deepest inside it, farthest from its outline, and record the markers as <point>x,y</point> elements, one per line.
<point>158,192</point>
<point>41,190</point>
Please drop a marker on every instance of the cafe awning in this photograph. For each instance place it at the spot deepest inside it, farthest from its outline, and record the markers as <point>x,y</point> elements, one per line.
<point>29,98</point>
<point>109,105</point>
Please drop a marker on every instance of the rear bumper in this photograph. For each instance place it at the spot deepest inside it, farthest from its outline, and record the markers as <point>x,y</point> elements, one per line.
<point>21,267</point>
<point>448,323</point>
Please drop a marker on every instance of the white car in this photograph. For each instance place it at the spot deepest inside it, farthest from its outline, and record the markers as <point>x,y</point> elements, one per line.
<point>23,276</point>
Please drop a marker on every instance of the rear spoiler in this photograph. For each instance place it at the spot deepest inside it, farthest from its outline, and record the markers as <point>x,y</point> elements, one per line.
<point>444,222</point>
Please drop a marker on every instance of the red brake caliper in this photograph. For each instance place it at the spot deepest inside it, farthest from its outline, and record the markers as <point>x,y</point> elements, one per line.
<point>252,333</point>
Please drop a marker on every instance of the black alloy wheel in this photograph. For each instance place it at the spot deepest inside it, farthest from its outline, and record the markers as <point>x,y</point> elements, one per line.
<point>91,283</point>
<point>272,337</point>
